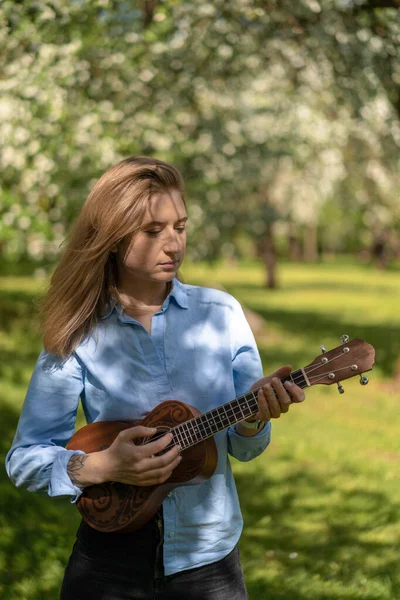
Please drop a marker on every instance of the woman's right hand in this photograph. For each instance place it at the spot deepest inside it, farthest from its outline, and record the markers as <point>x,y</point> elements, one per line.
<point>126,462</point>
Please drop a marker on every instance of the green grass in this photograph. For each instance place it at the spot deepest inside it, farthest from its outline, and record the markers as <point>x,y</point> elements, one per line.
<point>321,505</point>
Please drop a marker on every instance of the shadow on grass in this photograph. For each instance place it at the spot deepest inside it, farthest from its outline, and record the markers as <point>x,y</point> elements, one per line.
<point>37,532</point>
<point>19,328</point>
<point>298,541</point>
<point>322,285</point>
<point>315,328</point>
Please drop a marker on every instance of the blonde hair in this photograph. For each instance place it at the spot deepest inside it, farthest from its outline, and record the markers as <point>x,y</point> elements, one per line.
<point>85,278</point>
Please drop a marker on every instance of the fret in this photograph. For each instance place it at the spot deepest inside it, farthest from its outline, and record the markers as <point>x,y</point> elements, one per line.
<point>188,433</point>
<point>195,430</point>
<point>176,433</point>
<point>212,423</point>
<point>236,409</point>
<point>247,408</point>
<point>229,411</point>
<point>201,427</point>
<point>229,414</point>
<point>186,441</point>
<point>254,399</point>
<point>298,377</point>
<point>206,425</point>
<point>219,423</point>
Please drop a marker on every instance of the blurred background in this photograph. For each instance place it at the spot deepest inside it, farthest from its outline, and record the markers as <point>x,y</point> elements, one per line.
<point>284,119</point>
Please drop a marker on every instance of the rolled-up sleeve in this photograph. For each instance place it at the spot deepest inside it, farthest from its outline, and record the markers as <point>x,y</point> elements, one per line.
<point>246,368</point>
<point>38,459</point>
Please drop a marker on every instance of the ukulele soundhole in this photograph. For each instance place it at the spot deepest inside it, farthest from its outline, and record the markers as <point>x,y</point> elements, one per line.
<point>161,431</point>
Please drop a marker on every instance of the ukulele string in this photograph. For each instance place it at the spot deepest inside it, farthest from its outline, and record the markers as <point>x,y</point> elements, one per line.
<point>321,376</point>
<point>297,379</point>
<point>310,370</point>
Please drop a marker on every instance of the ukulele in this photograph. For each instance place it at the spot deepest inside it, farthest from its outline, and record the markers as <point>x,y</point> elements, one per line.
<point>114,506</point>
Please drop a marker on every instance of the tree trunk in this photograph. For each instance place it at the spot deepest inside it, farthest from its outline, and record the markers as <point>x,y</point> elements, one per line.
<point>268,254</point>
<point>379,250</point>
<point>294,248</point>
<point>310,246</point>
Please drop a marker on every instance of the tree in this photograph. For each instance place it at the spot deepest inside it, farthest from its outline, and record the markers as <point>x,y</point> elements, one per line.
<point>272,111</point>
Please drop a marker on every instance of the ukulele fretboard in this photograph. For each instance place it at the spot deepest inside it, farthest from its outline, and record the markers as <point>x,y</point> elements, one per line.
<point>208,424</point>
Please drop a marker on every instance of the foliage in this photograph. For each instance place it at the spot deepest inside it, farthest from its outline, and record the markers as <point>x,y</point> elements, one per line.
<point>271,110</point>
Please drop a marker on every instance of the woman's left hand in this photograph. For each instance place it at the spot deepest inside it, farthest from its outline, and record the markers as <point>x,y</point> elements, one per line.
<point>273,397</point>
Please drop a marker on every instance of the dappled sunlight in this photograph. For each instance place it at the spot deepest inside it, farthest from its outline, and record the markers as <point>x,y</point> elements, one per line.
<point>321,506</point>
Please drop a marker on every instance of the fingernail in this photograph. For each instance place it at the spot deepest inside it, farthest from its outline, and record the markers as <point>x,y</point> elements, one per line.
<point>288,384</point>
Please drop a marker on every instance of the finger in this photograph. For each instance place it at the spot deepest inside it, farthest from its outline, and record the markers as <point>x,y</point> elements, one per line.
<point>281,394</point>
<point>282,372</point>
<point>153,463</point>
<point>155,476</point>
<point>160,444</point>
<point>148,448</point>
<point>263,412</point>
<point>296,392</point>
<point>139,431</point>
<point>274,406</point>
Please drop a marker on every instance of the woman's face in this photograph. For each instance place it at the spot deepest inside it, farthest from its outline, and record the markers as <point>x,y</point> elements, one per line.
<point>157,251</point>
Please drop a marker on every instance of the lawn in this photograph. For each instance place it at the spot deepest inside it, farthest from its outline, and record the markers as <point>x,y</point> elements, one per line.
<point>322,505</point>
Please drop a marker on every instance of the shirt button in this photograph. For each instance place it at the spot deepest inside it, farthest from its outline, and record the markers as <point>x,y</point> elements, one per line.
<point>172,534</point>
<point>170,495</point>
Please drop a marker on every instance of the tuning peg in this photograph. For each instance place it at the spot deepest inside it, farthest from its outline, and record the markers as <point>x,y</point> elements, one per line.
<point>363,380</point>
<point>323,348</point>
<point>344,339</point>
<point>340,388</point>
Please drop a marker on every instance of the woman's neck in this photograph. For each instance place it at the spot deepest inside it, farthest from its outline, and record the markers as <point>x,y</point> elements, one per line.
<point>144,298</point>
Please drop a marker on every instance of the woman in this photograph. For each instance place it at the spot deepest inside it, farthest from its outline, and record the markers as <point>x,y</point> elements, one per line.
<point>122,333</point>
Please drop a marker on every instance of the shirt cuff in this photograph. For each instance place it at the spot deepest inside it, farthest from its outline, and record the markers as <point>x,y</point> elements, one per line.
<point>246,448</point>
<point>60,483</point>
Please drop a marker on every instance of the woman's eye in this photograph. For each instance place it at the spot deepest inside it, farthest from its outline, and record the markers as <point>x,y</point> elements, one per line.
<point>156,232</point>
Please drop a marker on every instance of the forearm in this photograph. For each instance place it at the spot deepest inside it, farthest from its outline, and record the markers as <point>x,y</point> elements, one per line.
<point>88,469</point>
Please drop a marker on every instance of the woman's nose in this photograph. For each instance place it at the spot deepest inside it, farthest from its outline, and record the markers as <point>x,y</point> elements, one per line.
<point>172,243</point>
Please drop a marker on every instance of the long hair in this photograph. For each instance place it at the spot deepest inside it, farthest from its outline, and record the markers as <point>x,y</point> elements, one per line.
<point>85,278</point>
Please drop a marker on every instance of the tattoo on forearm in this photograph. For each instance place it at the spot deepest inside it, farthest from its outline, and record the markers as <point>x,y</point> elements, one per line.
<point>74,468</point>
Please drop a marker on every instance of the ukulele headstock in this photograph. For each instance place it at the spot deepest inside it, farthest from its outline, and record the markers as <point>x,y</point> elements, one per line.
<point>348,360</point>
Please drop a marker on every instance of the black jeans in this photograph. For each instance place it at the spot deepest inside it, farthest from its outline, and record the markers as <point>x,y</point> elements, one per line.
<point>123,566</point>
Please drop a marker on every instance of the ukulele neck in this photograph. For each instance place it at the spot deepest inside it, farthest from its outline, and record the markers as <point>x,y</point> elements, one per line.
<point>208,424</point>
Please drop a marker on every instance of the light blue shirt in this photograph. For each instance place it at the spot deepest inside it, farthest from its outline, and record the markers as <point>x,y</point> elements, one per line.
<point>200,351</point>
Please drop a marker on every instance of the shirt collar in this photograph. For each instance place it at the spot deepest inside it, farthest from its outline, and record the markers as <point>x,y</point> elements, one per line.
<point>178,293</point>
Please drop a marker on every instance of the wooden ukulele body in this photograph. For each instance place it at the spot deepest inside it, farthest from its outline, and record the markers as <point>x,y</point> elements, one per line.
<point>114,506</point>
